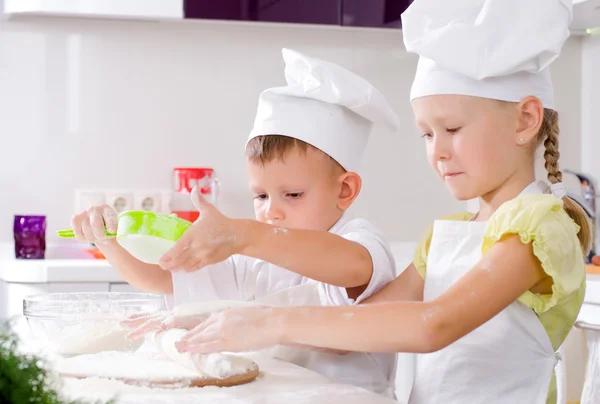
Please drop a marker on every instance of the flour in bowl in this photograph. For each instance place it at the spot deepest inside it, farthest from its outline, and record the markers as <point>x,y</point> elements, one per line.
<point>90,338</point>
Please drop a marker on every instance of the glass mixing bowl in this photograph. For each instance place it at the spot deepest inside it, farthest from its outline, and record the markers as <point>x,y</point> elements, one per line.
<point>71,324</point>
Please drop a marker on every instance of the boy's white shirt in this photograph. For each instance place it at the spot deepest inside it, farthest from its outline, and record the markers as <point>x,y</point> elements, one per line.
<point>245,278</point>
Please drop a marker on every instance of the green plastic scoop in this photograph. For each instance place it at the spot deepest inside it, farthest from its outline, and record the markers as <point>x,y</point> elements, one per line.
<point>145,235</point>
<point>69,233</point>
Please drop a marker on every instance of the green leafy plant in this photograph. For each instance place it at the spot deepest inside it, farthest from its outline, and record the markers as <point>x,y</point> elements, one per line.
<point>23,378</point>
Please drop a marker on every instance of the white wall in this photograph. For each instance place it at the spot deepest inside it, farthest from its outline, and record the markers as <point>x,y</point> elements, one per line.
<point>590,105</point>
<point>574,347</point>
<point>118,104</point>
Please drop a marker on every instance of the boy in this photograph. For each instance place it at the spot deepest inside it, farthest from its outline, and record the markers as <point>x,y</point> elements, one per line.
<point>302,156</point>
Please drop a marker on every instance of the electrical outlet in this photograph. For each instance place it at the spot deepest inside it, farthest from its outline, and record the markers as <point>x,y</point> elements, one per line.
<point>151,200</point>
<point>86,198</point>
<point>147,200</point>
<point>166,196</point>
<point>119,200</point>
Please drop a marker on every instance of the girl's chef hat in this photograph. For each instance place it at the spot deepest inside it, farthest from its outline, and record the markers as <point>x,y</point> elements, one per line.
<point>498,49</point>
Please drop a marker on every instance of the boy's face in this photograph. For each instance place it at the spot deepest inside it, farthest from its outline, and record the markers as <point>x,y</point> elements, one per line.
<point>304,191</point>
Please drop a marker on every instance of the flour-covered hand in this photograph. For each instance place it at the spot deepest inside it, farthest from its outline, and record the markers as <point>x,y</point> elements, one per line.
<point>142,324</point>
<point>211,239</point>
<point>91,225</point>
<point>235,330</point>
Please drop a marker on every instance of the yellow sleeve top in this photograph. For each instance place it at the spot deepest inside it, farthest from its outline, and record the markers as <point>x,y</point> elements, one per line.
<point>541,221</point>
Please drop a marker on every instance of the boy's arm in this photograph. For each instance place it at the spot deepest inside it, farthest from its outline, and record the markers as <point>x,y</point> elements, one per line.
<point>147,277</point>
<point>319,255</point>
<point>90,226</point>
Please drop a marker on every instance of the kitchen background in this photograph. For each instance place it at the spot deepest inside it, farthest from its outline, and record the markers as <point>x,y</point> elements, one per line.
<point>107,104</point>
<point>93,103</point>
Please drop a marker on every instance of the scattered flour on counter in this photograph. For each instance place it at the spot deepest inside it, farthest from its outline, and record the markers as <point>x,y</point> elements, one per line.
<point>91,338</point>
<point>148,249</point>
<point>147,367</point>
<point>279,382</point>
<point>166,365</point>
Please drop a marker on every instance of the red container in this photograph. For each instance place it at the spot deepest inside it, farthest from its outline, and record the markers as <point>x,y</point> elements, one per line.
<point>184,180</point>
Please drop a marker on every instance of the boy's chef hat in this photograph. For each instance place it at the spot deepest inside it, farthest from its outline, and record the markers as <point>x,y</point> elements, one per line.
<point>498,49</point>
<point>325,106</point>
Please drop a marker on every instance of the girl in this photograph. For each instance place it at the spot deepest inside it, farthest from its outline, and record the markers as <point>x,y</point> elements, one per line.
<point>490,296</point>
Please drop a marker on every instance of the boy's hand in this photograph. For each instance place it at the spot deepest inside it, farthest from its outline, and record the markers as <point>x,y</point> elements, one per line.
<point>212,238</point>
<point>89,225</point>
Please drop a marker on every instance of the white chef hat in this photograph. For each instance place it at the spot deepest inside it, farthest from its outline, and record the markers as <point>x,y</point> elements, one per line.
<point>325,106</point>
<point>498,49</point>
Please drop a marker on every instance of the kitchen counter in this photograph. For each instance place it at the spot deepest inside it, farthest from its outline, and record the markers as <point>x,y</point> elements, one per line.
<point>57,270</point>
<point>279,382</point>
<point>592,269</point>
<point>99,270</point>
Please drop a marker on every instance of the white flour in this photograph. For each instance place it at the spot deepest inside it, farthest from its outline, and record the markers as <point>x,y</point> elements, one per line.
<point>91,338</point>
<point>148,249</point>
<point>279,382</point>
<point>218,366</point>
<point>145,367</point>
<point>167,365</point>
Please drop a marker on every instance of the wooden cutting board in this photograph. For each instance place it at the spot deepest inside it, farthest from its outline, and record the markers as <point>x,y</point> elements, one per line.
<point>147,369</point>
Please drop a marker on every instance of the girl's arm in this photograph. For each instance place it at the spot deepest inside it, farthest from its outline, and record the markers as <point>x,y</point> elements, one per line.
<point>407,286</point>
<point>505,272</point>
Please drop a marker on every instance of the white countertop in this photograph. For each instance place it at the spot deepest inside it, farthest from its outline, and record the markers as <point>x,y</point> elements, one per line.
<point>59,267</point>
<point>99,270</point>
<point>56,270</point>
<point>279,382</point>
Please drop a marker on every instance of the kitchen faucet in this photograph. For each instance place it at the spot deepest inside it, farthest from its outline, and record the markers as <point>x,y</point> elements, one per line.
<point>588,204</point>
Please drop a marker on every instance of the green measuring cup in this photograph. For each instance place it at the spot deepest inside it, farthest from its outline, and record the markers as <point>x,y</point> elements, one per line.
<point>145,235</point>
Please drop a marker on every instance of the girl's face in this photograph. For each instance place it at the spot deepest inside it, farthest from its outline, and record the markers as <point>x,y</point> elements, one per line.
<point>472,143</point>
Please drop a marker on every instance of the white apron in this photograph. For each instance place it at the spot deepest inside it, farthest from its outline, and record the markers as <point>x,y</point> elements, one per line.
<point>355,368</point>
<point>509,359</point>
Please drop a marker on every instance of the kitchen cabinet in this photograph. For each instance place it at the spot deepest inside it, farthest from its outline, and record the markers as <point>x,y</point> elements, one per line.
<point>129,9</point>
<point>374,13</point>
<point>284,11</point>
<point>353,13</point>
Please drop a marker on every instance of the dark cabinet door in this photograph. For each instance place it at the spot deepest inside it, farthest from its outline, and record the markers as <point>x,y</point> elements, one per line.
<point>374,13</point>
<point>286,11</point>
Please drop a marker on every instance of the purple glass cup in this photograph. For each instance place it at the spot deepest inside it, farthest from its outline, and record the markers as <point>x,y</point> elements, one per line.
<point>30,237</point>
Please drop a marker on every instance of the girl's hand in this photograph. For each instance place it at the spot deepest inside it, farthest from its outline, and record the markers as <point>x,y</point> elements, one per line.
<point>212,238</point>
<point>235,330</point>
<point>161,321</point>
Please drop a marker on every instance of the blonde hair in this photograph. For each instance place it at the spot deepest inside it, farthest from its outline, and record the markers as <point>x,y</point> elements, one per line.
<point>548,134</point>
